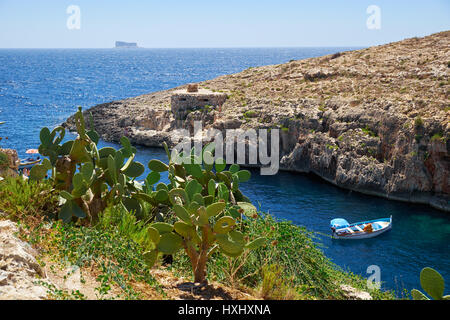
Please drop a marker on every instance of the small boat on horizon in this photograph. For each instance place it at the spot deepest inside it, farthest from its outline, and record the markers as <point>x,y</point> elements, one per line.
<point>341,229</point>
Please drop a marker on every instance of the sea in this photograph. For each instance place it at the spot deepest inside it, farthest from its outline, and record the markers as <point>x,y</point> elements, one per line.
<point>42,87</point>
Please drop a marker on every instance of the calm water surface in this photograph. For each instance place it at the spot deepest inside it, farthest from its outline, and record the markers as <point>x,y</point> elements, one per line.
<point>43,87</point>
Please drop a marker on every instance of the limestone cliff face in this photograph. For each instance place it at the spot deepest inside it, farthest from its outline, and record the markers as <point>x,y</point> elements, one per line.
<point>374,120</point>
<point>19,269</point>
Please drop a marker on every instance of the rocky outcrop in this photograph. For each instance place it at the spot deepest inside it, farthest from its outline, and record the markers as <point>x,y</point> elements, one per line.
<point>374,120</point>
<point>9,162</point>
<point>354,294</point>
<point>19,270</point>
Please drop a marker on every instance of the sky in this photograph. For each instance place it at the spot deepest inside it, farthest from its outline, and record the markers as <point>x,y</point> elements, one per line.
<point>231,23</point>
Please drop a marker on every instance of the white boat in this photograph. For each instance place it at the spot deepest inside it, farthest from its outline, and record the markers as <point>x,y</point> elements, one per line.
<point>341,229</point>
<point>28,164</point>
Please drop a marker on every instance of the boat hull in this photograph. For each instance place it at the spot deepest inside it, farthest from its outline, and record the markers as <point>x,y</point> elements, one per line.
<point>365,235</point>
<point>28,165</point>
<point>357,231</point>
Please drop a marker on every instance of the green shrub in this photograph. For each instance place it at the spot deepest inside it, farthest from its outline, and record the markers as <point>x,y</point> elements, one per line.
<point>437,137</point>
<point>20,198</point>
<point>331,147</point>
<point>89,179</point>
<point>250,114</point>
<point>207,209</point>
<point>118,258</point>
<point>274,286</point>
<point>418,122</point>
<point>369,132</point>
<point>3,160</point>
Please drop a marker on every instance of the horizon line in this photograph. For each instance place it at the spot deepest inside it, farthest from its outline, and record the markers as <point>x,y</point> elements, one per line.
<point>137,48</point>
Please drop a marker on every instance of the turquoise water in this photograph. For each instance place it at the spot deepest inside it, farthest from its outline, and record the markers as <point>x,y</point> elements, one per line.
<point>43,87</point>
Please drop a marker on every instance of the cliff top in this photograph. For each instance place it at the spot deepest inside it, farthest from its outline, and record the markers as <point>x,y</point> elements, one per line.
<point>374,120</point>
<point>409,77</point>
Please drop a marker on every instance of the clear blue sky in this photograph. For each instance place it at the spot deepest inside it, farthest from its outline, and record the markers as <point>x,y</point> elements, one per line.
<point>202,23</point>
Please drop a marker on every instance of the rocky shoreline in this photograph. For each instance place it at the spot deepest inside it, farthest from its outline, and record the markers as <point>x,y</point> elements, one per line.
<point>375,120</point>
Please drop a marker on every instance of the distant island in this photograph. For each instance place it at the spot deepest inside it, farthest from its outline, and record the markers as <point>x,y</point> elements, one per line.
<point>122,44</point>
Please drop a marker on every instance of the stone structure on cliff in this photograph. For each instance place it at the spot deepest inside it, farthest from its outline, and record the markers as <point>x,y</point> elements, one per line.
<point>189,100</point>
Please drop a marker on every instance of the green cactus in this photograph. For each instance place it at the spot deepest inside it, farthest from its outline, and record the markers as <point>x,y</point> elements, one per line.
<point>90,179</point>
<point>207,207</point>
<point>433,284</point>
<point>200,232</point>
<point>206,204</point>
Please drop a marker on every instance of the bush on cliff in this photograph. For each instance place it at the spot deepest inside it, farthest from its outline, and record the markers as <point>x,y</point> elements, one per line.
<point>3,160</point>
<point>112,247</point>
<point>301,266</point>
<point>201,210</point>
<point>20,199</point>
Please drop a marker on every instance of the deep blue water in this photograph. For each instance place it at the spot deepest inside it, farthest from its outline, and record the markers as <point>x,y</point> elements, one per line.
<point>43,87</point>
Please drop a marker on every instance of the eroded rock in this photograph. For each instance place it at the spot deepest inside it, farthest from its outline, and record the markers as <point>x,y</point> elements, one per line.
<point>19,270</point>
<point>375,120</point>
<point>10,165</point>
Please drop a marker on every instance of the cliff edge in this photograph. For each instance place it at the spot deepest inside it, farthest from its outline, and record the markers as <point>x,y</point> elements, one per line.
<point>374,120</point>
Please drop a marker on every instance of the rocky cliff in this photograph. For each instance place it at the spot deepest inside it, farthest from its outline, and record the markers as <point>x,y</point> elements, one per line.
<point>374,120</point>
<point>9,162</point>
<point>20,272</point>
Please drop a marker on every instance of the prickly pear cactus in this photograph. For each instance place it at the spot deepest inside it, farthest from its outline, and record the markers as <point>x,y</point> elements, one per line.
<point>433,284</point>
<point>89,179</point>
<point>207,206</point>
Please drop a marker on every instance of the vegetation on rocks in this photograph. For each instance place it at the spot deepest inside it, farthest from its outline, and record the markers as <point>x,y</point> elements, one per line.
<point>291,256</point>
<point>3,156</point>
<point>20,199</point>
<point>206,202</point>
<point>88,179</point>
<point>397,94</point>
<point>112,251</point>
<point>207,210</point>
<point>202,211</point>
<point>3,160</point>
